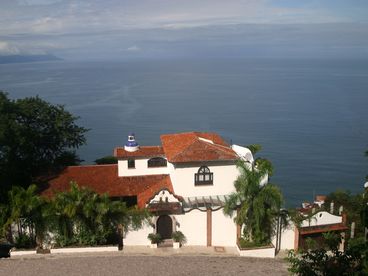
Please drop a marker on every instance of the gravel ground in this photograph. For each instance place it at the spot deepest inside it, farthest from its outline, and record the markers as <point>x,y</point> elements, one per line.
<point>118,264</point>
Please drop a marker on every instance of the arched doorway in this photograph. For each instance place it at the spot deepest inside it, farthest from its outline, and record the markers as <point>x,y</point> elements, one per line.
<point>164,226</point>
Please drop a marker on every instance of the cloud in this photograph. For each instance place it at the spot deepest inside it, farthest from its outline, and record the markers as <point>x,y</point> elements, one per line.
<point>53,16</point>
<point>88,26</point>
<point>133,49</point>
<point>6,49</point>
<point>38,2</point>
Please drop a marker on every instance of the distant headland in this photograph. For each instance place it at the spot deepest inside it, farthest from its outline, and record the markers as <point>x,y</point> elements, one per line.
<point>27,58</point>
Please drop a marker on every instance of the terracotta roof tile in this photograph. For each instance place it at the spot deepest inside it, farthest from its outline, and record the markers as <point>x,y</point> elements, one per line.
<point>188,147</point>
<point>144,151</point>
<point>104,179</point>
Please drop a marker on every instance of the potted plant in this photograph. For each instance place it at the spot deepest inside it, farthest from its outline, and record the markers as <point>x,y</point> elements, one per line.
<point>155,239</point>
<point>178,238</point>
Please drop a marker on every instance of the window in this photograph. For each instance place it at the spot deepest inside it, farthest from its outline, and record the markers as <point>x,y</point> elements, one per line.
<point>203,177</point>
<point>157,162</point>
<point>131,164</point>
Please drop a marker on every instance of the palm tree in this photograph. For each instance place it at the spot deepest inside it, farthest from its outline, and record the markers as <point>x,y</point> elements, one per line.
<point>27,209</point>
<point>86,217</point>
<point>256,201</point>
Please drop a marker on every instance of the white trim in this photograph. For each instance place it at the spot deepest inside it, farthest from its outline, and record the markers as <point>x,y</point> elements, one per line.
<point>257,252</point>
<point>84,249</point>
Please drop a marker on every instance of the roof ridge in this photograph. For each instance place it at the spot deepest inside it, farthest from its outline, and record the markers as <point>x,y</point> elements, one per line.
<point>153,146</point>
<point>92,165</point>
<point>220,147</point>
<point>186,148</point>
<point>180,133</point>
<point>146,175</point>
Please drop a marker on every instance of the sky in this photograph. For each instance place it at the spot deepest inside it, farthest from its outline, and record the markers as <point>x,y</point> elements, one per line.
<point>119,29</point>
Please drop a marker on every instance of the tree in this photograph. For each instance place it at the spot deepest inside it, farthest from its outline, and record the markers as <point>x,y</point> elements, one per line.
<point>333,262</point>
<point>366,154</point>
<point>106,160</point>
<point>36,138</point>
<point>28,210</point>
<point>84,217</point>
<point>258,205</point>
<point>353,206</point>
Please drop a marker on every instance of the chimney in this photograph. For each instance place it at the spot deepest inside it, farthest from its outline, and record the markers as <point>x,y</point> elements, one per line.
<point>131,145</point>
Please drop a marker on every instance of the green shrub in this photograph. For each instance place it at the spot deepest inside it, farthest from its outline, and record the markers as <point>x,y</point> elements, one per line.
<point>106,160</point>
<point>24,241</point>
<point>178,236</point>
<point>154,237</point>
<point>244,243</point>
<point>354,261</point>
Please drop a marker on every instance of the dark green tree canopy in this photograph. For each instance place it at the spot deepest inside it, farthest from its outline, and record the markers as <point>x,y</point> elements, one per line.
<point>106,160</point>
<point>36,138</point>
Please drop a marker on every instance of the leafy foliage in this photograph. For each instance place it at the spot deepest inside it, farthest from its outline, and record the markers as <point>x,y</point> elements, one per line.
<point>24,241</point>
<point>258,205</point>
<point>366,154</point>
<point>36,138</point>
<point>154,237</point>
<point>84,217</point>
<point>321,262</point>
<point>178,236</point>
<point>77,217</point>
<point>353,205</point>
<point>30,211</point>
<point>254,148</point>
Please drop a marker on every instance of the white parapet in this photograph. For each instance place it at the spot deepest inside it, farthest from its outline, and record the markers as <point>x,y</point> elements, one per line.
<point>84,249</point>
<point>260,252</point>
<point>22,252</point>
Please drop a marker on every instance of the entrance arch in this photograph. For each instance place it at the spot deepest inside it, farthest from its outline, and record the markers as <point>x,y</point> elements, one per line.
<point>164,226</point>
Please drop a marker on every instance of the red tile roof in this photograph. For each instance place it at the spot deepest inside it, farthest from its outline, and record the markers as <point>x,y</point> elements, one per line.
<point>188,147</point>
<point>323,228</point>
<point>145,151</point>
<point>105,179</point>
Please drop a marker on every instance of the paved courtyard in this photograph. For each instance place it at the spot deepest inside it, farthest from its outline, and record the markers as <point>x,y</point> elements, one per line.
<point>129,263</point>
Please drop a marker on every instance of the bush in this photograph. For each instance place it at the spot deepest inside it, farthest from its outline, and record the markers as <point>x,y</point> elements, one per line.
<point>106,160</point>
<point>178,236</point>
<point>154,237</point>
<point>243,243</point>
<point>24,241</point>
<point>321,262</point>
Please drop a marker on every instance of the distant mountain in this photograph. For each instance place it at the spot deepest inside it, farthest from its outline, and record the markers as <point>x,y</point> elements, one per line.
<point>25,58</point>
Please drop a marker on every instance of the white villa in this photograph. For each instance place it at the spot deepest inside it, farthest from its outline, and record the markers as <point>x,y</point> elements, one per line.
<point>184,183</point>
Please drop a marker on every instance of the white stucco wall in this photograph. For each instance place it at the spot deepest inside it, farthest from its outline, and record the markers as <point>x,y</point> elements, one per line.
<point>287,237</point>
<point>141,168</point>
<point>224,175</point>
<point>194,227</point>
<point>138,237</point>
<point>321,218</point>
<point>223,230</point>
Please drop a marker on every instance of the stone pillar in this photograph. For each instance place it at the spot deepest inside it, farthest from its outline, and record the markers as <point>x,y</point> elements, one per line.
<point>296,239</point>
<point>209,227</point>
<point>332,207</point>
<point>342,243</point>
<point>352,230</point>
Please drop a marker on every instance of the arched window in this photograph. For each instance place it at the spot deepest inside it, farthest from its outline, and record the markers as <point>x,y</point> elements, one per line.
<point>157,162</point>
<point>203,176</point>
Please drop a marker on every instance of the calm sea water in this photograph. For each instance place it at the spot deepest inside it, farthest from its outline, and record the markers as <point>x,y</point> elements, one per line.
<point>310,116</point>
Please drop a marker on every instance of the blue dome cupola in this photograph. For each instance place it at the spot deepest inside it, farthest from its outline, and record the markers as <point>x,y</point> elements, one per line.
<point>131,145</point>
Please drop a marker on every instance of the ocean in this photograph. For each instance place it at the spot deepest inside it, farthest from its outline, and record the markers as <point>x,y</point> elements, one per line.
<point>310,116</point>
